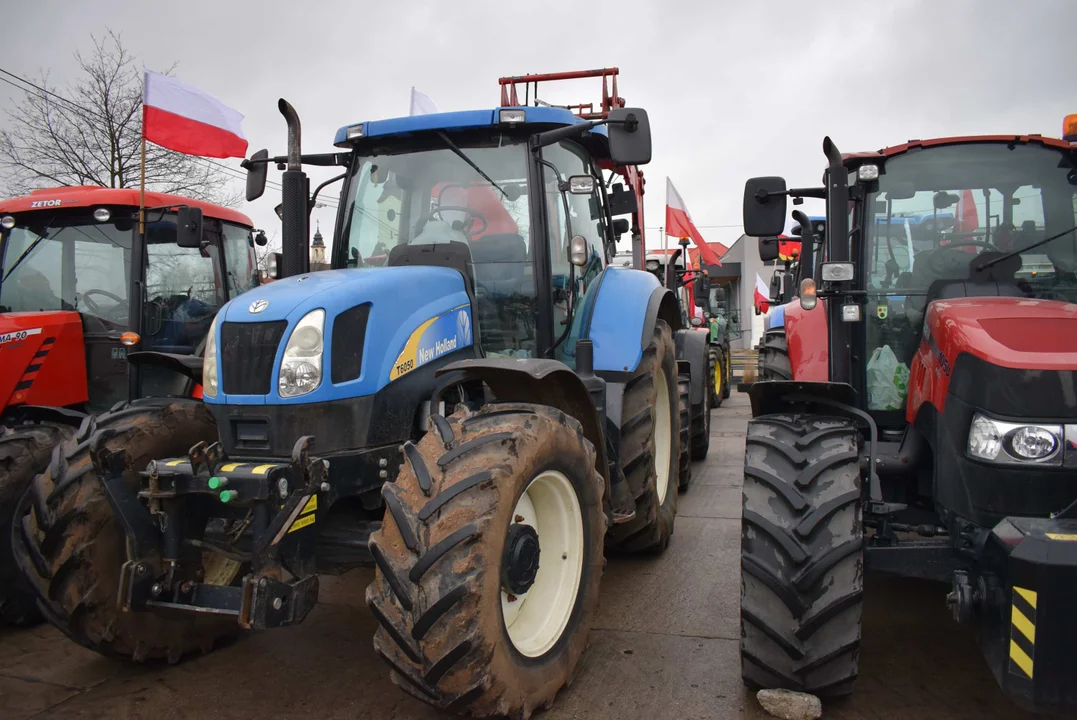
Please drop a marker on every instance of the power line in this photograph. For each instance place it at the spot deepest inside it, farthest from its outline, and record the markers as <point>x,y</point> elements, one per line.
<point>43,92</point>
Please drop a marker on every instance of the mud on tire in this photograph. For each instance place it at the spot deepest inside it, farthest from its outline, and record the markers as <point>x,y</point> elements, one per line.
<point>650,470</point>
<point>801,556</point>
<point>438,591</point>
<point>24,452</point>
<point>72,548</point>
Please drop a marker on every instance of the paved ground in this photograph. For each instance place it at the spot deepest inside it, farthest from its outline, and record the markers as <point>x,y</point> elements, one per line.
<point>665,644</point>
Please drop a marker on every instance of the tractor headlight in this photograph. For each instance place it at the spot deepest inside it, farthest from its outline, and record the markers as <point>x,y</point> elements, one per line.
<point>209,361</point>
<point>1014,443</point>
<point>301,365</point>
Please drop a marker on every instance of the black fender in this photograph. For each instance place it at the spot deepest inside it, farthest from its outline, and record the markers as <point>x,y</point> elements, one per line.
<point>692,347</point>
<point>189,366</point>
<point>662,305</point>
<point>776,396</point>
<point>19,414</point>
<point>538,381</point>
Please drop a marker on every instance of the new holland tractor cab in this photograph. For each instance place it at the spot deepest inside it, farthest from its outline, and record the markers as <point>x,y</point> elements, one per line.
<point>79,289</point>
<point>935,437</point>
<point>474,402</point>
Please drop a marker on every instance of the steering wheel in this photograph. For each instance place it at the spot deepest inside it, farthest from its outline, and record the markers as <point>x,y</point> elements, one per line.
<point>471,213</point>
<point>938,253</point>
<point>121,304</point>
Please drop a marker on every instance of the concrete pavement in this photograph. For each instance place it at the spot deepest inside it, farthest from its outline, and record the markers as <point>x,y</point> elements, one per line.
<point>665,644</point>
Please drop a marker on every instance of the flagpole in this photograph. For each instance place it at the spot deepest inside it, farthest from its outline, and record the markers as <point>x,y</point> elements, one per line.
<point>142,188</point>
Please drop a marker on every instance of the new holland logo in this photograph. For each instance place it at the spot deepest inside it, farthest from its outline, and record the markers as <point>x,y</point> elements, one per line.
<point>258,306</point>
<point>463,327</point>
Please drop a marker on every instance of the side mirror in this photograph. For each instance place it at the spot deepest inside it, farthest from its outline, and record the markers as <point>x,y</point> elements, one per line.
<point>620,227</point>
<point>189,227</point>
<point>764,206</point>
<point>275,265</point>
<point>943,200</point>
<point>257,168</point>
<point>630,136</point>
<point>776,287</point>
<point>768,249</point>
<point>621,201</point>
<point>719,296</point>
<point>701,288</point>
<point>260,239</point>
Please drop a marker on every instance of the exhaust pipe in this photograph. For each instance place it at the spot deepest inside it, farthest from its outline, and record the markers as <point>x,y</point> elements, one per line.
<point>295,218</point>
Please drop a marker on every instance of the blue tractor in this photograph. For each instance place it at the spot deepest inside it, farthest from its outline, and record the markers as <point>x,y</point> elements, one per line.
<point>473,401</point>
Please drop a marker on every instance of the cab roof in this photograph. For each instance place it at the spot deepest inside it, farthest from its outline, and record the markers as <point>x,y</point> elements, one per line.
<point>887,152</point>
<point>90,195</point>
<point>537,118</point>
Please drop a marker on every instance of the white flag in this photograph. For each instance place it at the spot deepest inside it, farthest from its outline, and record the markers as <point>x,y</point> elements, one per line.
<point>421,104</point>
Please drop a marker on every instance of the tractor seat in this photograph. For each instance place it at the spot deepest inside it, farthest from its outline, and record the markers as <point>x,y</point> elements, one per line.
<point>453,254</point>
<point>500,261</point>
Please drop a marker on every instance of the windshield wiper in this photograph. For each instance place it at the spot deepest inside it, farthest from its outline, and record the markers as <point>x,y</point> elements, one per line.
<point>460,153</point>
<point>27,251</point>
<point>1015,253</point>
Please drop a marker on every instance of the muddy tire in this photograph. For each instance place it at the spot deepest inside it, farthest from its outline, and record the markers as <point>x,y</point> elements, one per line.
<point>650,448</point>
<point>72,548</point>
<point>716,379</point>
<point>24,452</point>
<point>774,356</point>
<point>458,531</point>
<point>684,461</point>
<point>801,556</point>
<point>700,424</point>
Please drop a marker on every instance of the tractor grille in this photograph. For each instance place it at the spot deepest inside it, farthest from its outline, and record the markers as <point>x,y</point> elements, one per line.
<point>247,354</point>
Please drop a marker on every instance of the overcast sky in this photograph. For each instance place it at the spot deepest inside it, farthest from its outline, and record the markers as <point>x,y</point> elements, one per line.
<point>733,89</point>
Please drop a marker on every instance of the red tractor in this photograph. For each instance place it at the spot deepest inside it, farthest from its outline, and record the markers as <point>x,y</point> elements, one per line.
<point>930,426</point>
<point>80,288</point>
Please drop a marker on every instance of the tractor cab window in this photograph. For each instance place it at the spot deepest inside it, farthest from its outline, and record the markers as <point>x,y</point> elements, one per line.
<point>471,190</point>
<point>39,258</point>
<point>571,215</point>
<point>933,215</point>
<point>238,257</point>
<point>184,287</point>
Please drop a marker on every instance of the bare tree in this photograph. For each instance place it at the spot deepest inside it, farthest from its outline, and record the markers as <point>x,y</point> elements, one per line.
<point>91,134</point>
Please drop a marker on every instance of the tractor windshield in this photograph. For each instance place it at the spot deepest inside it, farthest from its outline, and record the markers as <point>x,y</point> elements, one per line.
<point>475,193</point>
<point>937,209</point>
<point>40,255</point>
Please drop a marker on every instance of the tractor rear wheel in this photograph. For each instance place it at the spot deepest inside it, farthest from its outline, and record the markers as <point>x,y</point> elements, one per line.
<point>684,405</point>
<point>72,548</point>
<point>24,452</point>
<point>488,560</point>
<point>650,448</point>
<point>716,363</point>
<point>801,555</point>
<point>774,356</point>
<point>700,424</point>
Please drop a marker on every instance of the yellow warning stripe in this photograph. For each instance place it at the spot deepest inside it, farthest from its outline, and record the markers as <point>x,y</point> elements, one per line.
<point>1062,537</point>
<point>302,523</point>
<point>230,467</point>
<point>174,463</point>
<point>1021,658</point>
<point>1029,595</point>
<point>311,505</point>
<point>262,469</point>
<point>1023,624</point>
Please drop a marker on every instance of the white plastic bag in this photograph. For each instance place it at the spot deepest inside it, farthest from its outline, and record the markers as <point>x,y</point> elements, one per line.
<point>888,380</point>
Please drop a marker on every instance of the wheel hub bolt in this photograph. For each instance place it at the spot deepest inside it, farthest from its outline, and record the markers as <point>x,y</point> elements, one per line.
<point>277,603</point>
<point>156,589</point>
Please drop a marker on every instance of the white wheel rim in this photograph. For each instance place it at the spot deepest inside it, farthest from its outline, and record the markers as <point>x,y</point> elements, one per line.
<point>536,620</point>
<point>663,435</point>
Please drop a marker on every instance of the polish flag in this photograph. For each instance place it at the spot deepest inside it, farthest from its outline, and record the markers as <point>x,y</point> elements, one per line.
<point>183,118</point>
<point>762,294</point>
<point>679,225</point>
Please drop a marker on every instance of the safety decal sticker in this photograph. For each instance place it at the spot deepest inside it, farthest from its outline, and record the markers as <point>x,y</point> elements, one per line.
<point>435,337</point>
<point>1023,632</point>
<point>306,515</point>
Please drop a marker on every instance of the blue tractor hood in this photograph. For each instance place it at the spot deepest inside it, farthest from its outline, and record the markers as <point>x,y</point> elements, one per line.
<point>416,314</point>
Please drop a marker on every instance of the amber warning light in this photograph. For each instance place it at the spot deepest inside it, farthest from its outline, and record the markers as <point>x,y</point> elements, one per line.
<point>1069,128</point>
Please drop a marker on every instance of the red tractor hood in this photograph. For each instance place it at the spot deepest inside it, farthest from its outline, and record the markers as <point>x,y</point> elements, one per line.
<point>1017,333</point>
<point>42,359</point>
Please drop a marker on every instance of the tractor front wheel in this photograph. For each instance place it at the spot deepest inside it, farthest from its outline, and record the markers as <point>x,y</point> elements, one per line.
<point>717,382</point>
<point>70,545</point>
<point>489,560</point>
<point>24,452</point>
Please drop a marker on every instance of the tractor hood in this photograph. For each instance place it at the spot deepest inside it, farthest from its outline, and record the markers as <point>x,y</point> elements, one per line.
<point>1010,332</point>
<point>380,324</point>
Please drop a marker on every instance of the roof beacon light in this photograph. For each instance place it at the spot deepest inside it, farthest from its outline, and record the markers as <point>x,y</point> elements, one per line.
<point>512,116</point>
<point>1069,128</point>
<point>355,132</point>
<point>867,173</point>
